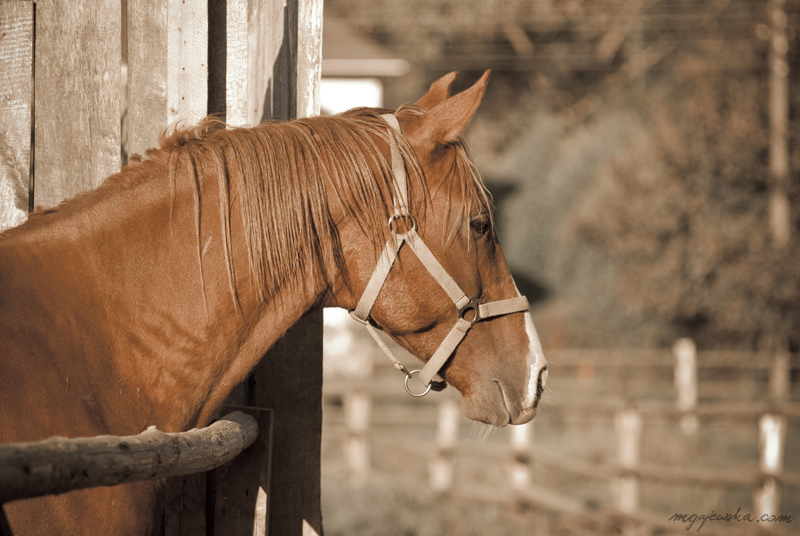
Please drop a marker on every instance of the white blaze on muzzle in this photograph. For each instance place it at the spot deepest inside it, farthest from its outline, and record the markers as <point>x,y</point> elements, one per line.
<point>466,306</point>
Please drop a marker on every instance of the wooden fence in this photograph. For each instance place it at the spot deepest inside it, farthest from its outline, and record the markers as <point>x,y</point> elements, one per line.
<point>630,390</point>
<point>85,82</point>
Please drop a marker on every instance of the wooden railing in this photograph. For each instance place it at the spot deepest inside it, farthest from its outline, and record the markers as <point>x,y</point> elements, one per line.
<point>241,476</point>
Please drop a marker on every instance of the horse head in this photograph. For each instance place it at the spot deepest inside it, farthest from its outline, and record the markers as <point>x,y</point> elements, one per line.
<point>440,286</point>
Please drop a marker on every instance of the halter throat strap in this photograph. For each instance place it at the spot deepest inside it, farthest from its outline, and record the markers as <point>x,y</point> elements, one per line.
<point>470,310</point>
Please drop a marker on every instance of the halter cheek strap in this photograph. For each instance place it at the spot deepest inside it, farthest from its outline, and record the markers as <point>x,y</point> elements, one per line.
<point>470,310</point>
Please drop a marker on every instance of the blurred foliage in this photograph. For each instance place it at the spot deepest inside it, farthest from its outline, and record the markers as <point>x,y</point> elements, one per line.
<point>631,139</point>
<point>681,214</point>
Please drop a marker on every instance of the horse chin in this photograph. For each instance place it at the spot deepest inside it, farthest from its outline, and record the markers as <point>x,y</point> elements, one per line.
<point>480,412</point>
<point>490,405</point>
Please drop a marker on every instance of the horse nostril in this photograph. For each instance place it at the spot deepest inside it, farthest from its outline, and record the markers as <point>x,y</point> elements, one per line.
<point>540,384</point>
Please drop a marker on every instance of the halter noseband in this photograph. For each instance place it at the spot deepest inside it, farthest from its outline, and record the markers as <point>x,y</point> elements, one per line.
<point>429,374</point>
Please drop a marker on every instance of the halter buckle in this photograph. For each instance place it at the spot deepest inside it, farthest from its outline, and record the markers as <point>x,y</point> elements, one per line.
<point>472,305</point>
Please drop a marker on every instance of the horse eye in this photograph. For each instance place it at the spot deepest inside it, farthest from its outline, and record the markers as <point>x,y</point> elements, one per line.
<point>481,225</point>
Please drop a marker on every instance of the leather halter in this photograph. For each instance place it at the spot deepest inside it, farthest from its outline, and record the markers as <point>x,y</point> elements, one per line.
<point>464,304</point>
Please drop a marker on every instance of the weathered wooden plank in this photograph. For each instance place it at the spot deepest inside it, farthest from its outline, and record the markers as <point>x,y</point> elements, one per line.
<point>16,86</point>
<point>309,57</point>
<point>77,73</point>
<point>628,424</point>
<point>57,464</point>
<point>185,506</point>
<point>168,82</point>
<point>228,61</point>
<point>167,67</point>
<point>147,113</point>
<point>260,68</point>
<point>241,487</point>
<point>289,381</point>
<point>270,92</point>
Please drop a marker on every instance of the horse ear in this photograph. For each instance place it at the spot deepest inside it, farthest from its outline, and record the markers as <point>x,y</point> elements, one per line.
<point>445,122</point>
<point>438,92</point>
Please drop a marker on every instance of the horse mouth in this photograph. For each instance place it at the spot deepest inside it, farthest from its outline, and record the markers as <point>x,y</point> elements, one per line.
<point>512,412</point>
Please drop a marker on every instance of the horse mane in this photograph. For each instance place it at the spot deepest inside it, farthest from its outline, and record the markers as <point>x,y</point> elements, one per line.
<point>279,171</point>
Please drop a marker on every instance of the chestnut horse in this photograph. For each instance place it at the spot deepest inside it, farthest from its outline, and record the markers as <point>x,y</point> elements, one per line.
<point>146,301</point>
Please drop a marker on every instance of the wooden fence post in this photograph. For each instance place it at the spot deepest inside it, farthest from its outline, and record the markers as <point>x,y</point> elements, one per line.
<point>357,408</point>
<point>346,358</point>
<point>779,156</point>
<point>628,425</point>
<point>520,470</point>
<point>240,488</point>
<point>780,377</point>
<point>771,444</point>
<point>442,466</point>
<point>686,383</point>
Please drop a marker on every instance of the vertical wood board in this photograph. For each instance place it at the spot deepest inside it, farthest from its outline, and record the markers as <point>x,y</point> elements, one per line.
<point>168,81</point>
<point>238,56</point>
<point>185,506</point>
<point>167,67</point>
<point>241,487</point>
<point>77,76</point>
<point>289,379</point>
<point>309,57</point>
<point>270,94</point>
<point>187,74</point>
<point>16,85</point>
<point>147,73</point>
<point>228,61</point>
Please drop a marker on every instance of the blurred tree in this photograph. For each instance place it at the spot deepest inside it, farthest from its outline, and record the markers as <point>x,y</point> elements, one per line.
<point>636,134</point>
<point>681,214</point>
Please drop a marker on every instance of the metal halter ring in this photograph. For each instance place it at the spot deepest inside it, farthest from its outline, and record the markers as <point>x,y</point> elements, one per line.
<point>472,305</point>
<point>408,389</point>
<point>402,216</point>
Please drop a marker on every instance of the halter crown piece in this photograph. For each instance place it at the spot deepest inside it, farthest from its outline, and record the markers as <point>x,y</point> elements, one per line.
<point>429,374</point>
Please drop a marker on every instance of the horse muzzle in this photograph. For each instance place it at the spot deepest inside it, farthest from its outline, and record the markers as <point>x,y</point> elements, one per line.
<point>513,394</point>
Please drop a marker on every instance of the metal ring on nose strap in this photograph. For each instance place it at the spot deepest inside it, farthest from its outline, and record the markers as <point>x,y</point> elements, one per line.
<point>408,389</point>
<point>472,305</point>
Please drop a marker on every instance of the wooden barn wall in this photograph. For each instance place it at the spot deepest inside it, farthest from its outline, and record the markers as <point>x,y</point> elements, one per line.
<point>247,60</point>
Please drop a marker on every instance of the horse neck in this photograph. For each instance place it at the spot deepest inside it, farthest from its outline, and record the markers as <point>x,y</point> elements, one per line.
<point>133,283</point>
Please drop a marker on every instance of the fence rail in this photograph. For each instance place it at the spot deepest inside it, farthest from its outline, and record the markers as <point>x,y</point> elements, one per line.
<point>234,452</point>
<point>58,464</point>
